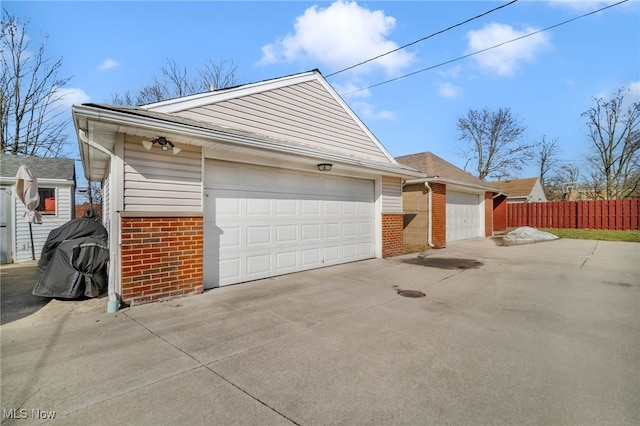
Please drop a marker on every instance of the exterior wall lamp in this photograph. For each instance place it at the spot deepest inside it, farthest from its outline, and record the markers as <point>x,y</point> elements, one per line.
<point>325,167</point>
<point>164,144</point>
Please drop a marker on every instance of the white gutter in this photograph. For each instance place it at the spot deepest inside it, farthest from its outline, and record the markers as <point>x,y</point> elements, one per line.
<point>114,303</point>
<point>430,206</point>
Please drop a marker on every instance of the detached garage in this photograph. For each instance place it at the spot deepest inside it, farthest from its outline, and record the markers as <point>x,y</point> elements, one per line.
<point>447,204</point>
<point>238,184</point>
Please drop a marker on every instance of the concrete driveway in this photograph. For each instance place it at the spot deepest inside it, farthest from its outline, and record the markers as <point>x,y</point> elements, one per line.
<point>546,333</point>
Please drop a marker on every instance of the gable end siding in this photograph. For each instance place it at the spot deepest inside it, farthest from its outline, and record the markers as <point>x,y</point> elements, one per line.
<point>304,113</point>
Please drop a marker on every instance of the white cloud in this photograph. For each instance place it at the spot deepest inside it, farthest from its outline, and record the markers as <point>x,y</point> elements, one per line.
<point>108,64</point>
<point>505,60</point>
<point>71,96</point>
<point>339,36</point>
<point>367,111</point>
<point>449,91</point>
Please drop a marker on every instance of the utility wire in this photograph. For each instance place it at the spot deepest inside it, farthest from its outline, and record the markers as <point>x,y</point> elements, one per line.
<point>422,39</point>
<point>484,50</point>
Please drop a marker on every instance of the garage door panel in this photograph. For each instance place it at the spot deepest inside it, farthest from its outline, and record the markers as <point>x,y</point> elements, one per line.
<point>305,222</point>
<point>230,269</point>
<point>310,257</point>
<point>286,233</point>
<point>287,260</point>
<point>365,249</point>
<point>286,207</point>
<point>258,265</point>
<point>331,230</point>
<point>464,216</point>
<point>256,206</point>
<point>258,235</point>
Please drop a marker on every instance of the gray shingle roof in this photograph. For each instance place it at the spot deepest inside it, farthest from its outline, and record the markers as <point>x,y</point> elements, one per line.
<point>44,168</point>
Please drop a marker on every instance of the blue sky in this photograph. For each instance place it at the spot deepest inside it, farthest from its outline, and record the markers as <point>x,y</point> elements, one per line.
<point>547,80</point>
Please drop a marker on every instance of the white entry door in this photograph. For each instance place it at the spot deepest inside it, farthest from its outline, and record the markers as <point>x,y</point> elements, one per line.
<point>261,221</point>
<point>465,217</point>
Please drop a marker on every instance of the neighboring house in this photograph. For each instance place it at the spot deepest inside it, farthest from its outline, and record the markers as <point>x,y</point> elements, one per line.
<point>238,184</point>
<point>448,204</point>
<point>522,190</point>
<point>56,185</point>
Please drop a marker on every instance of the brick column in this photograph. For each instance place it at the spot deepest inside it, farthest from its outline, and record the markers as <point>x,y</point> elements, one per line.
<point>392,224</point>
<point>161,258</point>
<point>438,214</point>
<point>488,214</point>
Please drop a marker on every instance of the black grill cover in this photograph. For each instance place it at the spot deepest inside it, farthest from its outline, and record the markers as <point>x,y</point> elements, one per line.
<point>74,260</point>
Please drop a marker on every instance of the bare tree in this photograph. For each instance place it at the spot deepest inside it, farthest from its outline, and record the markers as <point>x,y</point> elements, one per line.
<point>174,81</point>
<point>547,154</point>
<point>614,129</point>
<point>30,95</point>
<point>493,142</point>
<point>565,182</point>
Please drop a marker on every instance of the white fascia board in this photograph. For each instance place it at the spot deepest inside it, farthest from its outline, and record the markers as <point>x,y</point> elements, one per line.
<point>207,98</point>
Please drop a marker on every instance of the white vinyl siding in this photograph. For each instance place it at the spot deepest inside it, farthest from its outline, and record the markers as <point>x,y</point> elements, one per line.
<point>391,195</point>
<point>156,180</point>
<point>50,222</point>
<point>304,113</point>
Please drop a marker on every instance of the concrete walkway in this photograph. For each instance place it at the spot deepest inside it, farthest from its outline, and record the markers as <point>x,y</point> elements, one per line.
<point>544,333</point>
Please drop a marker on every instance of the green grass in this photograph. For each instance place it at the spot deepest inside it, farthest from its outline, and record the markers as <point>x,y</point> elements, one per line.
<point>593,234</point>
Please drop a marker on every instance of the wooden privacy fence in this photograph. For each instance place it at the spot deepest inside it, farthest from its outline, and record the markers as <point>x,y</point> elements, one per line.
<point>597,214</point>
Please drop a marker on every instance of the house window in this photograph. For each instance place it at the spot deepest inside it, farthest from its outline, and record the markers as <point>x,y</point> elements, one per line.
<point>47,201</point>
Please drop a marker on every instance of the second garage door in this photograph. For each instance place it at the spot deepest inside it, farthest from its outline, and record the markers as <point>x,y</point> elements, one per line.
<point>464,219</point>
<point>261,222</point>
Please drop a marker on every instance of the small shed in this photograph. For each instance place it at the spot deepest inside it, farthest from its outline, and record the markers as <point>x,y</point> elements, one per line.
<point>56,186</point>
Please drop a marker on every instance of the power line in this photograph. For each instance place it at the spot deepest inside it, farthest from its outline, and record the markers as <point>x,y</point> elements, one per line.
<point>422,39</point>
<point>488,48</point>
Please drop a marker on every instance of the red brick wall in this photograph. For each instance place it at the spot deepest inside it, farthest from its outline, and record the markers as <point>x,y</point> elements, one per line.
<point>439,214</point>
<point>488,214</point>
<point>392,224</point>
<point>161,258</point>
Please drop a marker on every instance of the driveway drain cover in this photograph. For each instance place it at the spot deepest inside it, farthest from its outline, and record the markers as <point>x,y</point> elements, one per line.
<point>411,293</point>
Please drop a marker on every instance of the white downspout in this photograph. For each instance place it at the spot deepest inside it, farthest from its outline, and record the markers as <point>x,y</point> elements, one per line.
<point>114,303</point>
<point>429,228</point>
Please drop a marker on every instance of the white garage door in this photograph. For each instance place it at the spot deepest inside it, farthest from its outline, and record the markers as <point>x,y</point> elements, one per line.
<point>261,222</point>
<point>464,216</point>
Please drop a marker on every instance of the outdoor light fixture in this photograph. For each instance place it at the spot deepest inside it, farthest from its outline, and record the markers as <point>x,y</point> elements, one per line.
<point>325,167</point>
<point>164,144</point>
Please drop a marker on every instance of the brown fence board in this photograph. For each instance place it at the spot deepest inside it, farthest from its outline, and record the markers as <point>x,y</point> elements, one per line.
<point>592,214</point>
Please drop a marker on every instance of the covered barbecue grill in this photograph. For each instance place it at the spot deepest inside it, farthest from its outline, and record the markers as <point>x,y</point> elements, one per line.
<point>74,260</point>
